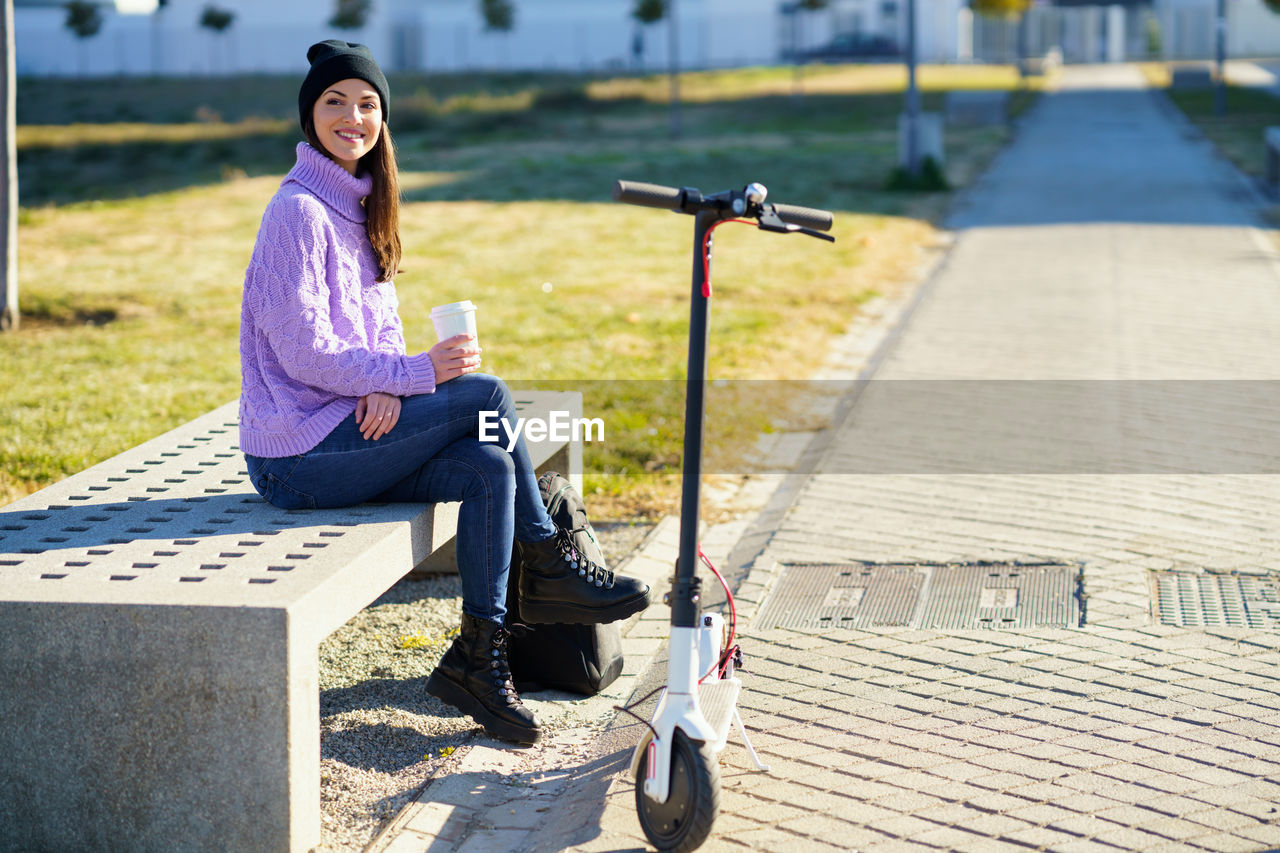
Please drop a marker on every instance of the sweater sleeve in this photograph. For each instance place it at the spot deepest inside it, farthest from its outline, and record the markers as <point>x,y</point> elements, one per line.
<point>390,338</point>
<point>289,281</point>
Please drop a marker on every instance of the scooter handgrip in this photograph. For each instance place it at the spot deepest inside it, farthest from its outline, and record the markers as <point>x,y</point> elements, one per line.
<point>805,217</point>
<point>647,195</point>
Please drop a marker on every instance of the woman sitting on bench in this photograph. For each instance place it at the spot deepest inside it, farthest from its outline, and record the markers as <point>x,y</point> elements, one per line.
<point>334,413</point>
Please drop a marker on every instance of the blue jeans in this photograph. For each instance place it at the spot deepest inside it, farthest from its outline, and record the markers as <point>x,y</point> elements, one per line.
<point>432,454</point>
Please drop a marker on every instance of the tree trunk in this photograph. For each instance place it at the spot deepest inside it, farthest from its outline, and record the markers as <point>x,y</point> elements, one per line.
<point>9,184</point>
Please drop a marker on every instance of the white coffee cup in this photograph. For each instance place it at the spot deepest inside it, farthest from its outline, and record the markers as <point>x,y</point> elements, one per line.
<point>456,318</point>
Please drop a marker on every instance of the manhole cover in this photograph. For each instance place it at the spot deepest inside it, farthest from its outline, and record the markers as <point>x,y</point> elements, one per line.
<point>824,595</point>
<point>936,596</point>
<point>1196,599</point>
<point>1002,596</point>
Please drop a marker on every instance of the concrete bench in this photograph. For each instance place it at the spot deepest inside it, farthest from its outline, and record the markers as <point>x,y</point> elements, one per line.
<point>160,623</point>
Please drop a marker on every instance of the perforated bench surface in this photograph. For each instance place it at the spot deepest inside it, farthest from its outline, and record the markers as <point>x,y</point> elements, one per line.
<point>175,521</point>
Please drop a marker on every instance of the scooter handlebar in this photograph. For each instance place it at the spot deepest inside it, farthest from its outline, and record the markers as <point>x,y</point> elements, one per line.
<point>648,195</point>
<point>805,217</point>
<point>670,198</point>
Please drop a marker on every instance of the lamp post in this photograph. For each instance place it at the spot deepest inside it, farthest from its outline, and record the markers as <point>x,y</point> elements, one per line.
<point>913,96</point>
<point>9,184</point>
<point>673,47</point>
<point>1220,89</point>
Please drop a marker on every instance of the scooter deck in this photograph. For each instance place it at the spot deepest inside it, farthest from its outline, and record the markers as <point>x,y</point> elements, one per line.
<point>718,699</point>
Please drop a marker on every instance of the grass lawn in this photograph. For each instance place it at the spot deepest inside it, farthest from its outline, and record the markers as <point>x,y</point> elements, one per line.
<point>141,199</point>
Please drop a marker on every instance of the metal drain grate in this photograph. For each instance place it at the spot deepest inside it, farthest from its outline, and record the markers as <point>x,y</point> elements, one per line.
<point>1195,599</point>
<point>939,596</point>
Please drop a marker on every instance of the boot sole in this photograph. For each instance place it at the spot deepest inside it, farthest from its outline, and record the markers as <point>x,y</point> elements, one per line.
<point>452,694</point>
<point>571,614</point>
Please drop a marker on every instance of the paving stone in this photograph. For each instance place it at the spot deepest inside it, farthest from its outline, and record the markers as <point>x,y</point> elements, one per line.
<point>1176,847</point>
<point>409,841</point>
<point>1040,814</point>
<point>1084,803</point>
<point>1045,751</point>
<point>826,828</point>
<point>946,838</point>
<point>1268,834</point>
<point>1081,845</point>
<point>1128,772</point>
<point>1215,776</point>
<point>1172,783</point>
<point>1128,838</point>
<point>1001,781</point>
<point>1041,837</point>
<point>767,838</point>
<point>1225,820</point>
<point>772,812</point>
<point>1044,792</point>
<point>1083,760</point>
<point>1081,825</point>
<point>1234,844</point>
<point>902,826</point>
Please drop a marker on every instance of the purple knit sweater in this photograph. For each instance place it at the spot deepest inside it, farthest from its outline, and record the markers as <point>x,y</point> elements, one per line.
<point>317,331</point>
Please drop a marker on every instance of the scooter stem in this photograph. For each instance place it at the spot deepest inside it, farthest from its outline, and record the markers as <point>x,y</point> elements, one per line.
<point>686,606</point>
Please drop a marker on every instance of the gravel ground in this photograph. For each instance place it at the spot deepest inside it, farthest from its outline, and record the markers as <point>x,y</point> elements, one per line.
<point>381,735</point>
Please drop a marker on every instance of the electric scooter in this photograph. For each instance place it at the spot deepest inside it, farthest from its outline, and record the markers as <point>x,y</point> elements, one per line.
<point>675,765</point>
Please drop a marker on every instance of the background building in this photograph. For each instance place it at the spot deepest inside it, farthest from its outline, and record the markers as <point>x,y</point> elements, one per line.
<point>599,35</point>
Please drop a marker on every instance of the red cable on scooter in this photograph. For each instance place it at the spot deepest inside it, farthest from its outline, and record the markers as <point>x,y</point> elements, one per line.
<point>733,619</point>
<point>706,260</point>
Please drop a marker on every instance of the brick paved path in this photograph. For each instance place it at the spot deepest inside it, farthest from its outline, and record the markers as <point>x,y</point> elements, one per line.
<point>1106,244</point>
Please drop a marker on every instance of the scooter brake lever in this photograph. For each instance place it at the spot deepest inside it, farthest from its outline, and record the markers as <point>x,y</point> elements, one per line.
<point>811,233</point>
<point>768,220</point>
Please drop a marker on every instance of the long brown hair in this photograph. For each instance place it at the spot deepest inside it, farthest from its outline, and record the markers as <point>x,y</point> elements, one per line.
<point>382,207</point>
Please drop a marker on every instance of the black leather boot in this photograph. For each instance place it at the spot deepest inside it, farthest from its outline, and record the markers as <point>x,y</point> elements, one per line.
<point>474,677</point>
<point>559,584</point>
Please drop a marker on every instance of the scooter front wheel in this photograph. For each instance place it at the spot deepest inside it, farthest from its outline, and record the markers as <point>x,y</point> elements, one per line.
<point>684,821</point>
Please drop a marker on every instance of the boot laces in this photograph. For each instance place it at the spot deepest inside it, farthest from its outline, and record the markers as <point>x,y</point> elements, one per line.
<point>587,570</point>
<point>500,668</point>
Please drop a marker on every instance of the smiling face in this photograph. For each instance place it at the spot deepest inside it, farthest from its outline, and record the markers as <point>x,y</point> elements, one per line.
<point>348,120</point>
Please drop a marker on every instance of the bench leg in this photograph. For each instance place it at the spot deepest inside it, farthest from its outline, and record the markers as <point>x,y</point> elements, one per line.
<point>157,728</point>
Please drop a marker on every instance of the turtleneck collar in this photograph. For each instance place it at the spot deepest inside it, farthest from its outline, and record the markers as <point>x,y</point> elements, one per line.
<point>330,182</point>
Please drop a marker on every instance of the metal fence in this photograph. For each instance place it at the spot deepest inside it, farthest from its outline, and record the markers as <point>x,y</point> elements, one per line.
<point>1098,34</point>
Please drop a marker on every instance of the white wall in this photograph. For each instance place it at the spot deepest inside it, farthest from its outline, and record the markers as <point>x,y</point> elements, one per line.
<point>1252,29</point>
<point>267,35</point>
<point>1188,28</point>
<point>273,35</point>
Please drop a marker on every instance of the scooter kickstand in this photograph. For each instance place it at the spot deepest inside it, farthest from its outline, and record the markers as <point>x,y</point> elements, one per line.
<point>742,730</point>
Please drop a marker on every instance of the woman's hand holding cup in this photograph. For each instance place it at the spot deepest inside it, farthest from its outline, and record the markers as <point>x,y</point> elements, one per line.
<point>458,351</point>
<point>455,356</point>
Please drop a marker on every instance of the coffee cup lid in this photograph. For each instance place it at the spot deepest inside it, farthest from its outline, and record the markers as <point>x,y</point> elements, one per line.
<point>453,308</point>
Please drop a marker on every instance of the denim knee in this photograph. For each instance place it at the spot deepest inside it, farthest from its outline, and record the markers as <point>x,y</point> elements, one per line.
<point>495,470</point>
<point>487,387</point>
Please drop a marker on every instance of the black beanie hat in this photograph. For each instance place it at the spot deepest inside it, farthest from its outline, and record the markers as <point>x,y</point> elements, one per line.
<point>334,60</point>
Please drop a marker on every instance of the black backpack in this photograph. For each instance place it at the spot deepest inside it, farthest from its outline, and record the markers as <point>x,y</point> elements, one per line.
<point>581,659</point>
